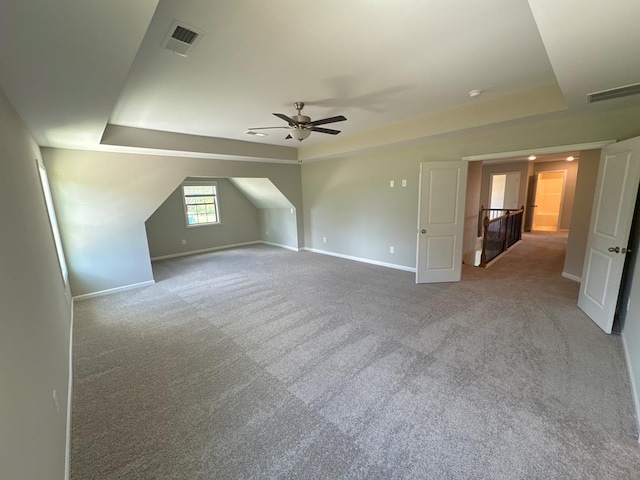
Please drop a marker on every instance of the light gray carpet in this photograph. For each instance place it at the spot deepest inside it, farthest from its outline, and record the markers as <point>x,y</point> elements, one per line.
<point>264,363</point>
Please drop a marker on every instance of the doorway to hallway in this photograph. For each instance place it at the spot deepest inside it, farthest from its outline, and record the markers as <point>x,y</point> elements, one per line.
<point>548,199</point>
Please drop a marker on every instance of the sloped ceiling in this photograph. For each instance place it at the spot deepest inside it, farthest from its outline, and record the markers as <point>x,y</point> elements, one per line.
<point>261,192</point>
<point>93,75</point>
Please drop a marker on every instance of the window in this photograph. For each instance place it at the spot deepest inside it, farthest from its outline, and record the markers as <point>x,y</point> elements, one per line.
<point>200,203</point>
<point>53,222</point>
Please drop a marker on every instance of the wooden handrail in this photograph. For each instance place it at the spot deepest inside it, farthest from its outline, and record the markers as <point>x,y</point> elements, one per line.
<point>481,215</point>
<point>510,213</point>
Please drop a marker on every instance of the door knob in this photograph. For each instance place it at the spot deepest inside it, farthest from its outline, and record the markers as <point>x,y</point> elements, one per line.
<point>614,249</point>
<point>423,231</point>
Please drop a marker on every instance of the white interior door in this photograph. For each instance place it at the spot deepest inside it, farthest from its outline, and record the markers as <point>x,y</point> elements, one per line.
<point>611,217</point>
<point>441,221</point>
<point>512,190</point>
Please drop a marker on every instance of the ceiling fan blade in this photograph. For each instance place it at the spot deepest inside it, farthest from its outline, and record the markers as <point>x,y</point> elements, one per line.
<point>264,128</point>
<point>325,130</point>
<point>339,118</point>
<point>288,137</point>
<point>289,120</point>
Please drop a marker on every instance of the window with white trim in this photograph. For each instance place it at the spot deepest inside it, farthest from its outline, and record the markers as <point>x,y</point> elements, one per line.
<point>200,203</point>
<point>53,222</point>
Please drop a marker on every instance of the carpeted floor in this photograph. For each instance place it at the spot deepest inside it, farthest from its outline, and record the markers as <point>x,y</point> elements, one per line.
<point>260,362</point>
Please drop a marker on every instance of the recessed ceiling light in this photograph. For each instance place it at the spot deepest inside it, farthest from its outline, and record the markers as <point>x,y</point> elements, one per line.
<point>475,93</point>
<point>570,158</point>
<point>532,157</point>
<point>257,134</point>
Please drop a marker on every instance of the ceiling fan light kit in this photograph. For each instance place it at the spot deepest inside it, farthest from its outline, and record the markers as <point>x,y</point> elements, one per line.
<point>299,133</point>
<point>301,126</point>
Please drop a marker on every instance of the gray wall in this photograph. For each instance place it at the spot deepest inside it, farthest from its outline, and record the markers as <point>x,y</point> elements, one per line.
<point>571,169</point>
<point>349,201</point>
<point>166,227</point>
<point>583,200</point>
<point>279,226</point>
<point>35,316</point>
<point>104,198</point>
<point>346,199</point>
<point>631,334</point>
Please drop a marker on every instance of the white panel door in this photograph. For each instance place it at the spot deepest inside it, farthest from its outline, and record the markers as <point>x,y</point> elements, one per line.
<point>441,206</point>
<point>512,190</point>
<point>611,217</point>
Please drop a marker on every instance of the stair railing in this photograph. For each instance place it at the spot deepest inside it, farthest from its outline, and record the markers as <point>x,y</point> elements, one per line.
<point>501,229</point>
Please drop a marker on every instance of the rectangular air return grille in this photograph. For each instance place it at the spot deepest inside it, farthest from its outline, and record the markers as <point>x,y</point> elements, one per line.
<point>614,93</point>
<point>184,35</point>
<point>181,38</point>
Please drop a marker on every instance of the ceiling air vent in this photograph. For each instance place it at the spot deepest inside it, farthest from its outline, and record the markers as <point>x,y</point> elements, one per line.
<point>181,38</point>
<point>614,93</point>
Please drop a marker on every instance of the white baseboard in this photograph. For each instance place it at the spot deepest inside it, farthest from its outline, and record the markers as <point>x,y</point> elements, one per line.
<point>634,386</point>
<point>114,290</point>
<point>363,260</point>
<point>572,277</point>
<point>288,247</point>
<point>204,250</point>
<point>175,255</point>
<point>67,459</point>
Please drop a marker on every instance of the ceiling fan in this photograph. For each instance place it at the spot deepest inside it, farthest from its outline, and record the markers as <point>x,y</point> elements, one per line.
<point>301,126</point>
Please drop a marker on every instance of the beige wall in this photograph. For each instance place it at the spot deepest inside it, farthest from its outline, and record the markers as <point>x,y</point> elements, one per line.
<point>166,227</point>
<point>472,207</point>
<point>35,316</point>
<point>104,199</point>
<point>583,200</point>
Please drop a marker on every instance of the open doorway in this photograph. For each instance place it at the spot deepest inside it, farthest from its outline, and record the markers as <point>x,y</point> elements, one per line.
<point>496,183</point>
<point>548,199</point>
<point>504,190</point>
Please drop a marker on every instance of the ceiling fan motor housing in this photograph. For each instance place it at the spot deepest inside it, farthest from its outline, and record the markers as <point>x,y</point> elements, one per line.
<point>301,118</point>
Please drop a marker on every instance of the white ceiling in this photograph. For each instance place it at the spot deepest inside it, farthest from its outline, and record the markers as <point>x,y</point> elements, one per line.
<point>72,66</point>
<point>593,45</point>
